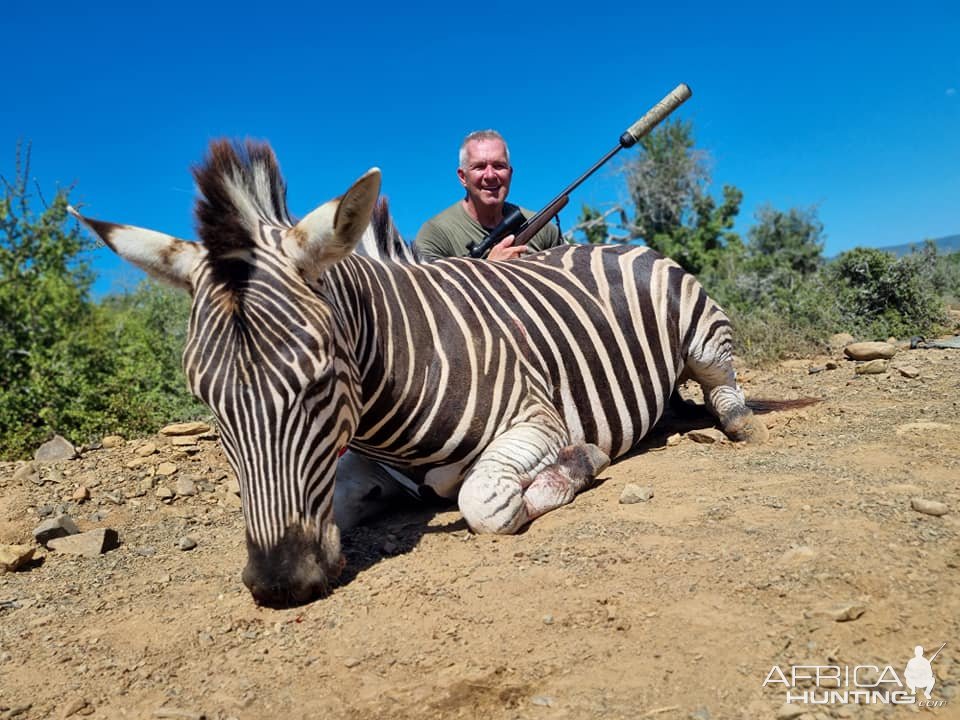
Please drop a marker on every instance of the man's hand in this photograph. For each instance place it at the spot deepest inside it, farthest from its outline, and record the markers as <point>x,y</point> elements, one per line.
<point>505,250</point>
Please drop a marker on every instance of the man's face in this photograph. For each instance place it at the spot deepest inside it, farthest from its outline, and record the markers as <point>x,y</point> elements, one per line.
<point>487,174</point>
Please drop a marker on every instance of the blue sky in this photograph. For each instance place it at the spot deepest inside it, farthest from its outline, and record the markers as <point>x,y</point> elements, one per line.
<point>850,107</point>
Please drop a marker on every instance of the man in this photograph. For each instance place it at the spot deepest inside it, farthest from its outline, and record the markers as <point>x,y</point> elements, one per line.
<point>485,174</point>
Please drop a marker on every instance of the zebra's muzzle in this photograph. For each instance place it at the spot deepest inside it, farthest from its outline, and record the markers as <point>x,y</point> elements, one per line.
<point>301,568</point>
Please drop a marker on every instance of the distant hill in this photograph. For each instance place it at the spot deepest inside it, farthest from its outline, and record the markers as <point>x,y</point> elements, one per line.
<point>948,244</point>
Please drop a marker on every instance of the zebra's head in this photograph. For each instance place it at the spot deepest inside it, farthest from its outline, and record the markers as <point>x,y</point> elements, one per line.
<point>266,354</point>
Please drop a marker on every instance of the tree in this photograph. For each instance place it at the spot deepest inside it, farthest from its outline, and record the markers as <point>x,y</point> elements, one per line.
<point>44,305</point>
<point>673,211</point>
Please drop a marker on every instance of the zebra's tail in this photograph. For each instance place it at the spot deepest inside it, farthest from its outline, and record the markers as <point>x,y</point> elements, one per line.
<point>761,406</point>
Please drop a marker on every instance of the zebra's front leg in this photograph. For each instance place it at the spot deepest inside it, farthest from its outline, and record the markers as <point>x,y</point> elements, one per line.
<point>524,473</point>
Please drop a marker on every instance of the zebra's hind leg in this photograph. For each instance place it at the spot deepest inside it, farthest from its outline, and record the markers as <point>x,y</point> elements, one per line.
<point>712,368</point>
<point>514,480</point>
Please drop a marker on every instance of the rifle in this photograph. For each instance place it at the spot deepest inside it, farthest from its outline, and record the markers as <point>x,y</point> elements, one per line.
<point>514,222</point>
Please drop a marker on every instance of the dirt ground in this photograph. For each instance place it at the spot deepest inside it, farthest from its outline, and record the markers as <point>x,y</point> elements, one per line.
<point>802,551</point>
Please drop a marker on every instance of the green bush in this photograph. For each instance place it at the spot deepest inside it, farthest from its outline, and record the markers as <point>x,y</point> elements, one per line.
<point>878,295</point>
<point>67,364</point>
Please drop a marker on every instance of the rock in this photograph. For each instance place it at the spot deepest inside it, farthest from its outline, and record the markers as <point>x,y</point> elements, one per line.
<point>908,371</point>
<point>187,428</point>
<point>13,557</point>
<point>112,441</point>
<point>929,507</point>
<point>542,701</point>
<point>166,469</point>
<point>55,528</point>
<point>186,543</point>
<point>707,436</point>
<point>76,706</point>
<point>55,450</point>
<point>634,494</point>
<point>847,611</point>
<point>145,550</point>
<point>874,367</point>
<point>548,619</point>
<point>870,351</point>
<point>789,711</point>
<point>352,662</point>
<point>923,427</point>
<point>115,497</point>
<point>798,555</point>
<point>164,493</point>
<point>27,472</point>
<point>814,369</point>
<point>89,544</point>
<point>674,439</point>
<point>830,365</point>
<point>136,462</point>
<point>146,450</point>
<point>839,341</point>
<point>81,494</point>
<point>183,440</point>
<point>185,487</point>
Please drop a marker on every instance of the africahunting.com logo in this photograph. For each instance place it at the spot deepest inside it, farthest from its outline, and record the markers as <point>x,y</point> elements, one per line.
<point>860,684</point>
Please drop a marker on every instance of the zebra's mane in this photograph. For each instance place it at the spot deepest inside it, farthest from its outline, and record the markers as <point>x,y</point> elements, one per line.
<point>240,186</point>
<point>382,240</point>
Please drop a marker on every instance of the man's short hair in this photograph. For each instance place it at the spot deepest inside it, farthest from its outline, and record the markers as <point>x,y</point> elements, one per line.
<point>481,135</point>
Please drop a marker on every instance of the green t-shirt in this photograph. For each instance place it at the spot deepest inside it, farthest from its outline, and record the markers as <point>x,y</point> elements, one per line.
<point>449,233</point>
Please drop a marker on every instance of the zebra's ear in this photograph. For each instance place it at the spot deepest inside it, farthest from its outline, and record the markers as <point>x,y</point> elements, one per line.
<point>161,256</point>
<point>333,230</point>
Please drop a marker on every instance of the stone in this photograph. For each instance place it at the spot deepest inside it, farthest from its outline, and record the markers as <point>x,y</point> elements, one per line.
<point>873,367</point>
<point>674,439</point>
<point>929,507</point>
<point>166,469</point>
<point>185,487</point>
<point>55,450</point>
<point>187,428</point>
<point>135,463</point>
<point>13,557</point>
<point>633,493</point>
<point>797,555</point>
<point>923,427</point>
<point>707,436</point>
<point>814,369</point>
<point>186,543</point>
<point>845,612</point>
<point>183,440</point>
<point>80,494</point>
<point>112,441</point>
<point>89,544</point>
<point>146,450</point>
<point>145,550</point>
<point>57,527</point>
<point>870,351</point>
<point>830,365</point>
<point>164,493</point>
<point>789,711</point>
<point>839,341</point>
<point>27,472</point>
<point>542,701</point>
<point>908,371</point>
<point>76,706</point>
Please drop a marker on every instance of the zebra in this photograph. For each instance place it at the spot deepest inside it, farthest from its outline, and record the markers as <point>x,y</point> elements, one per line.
<point>507,386</point>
